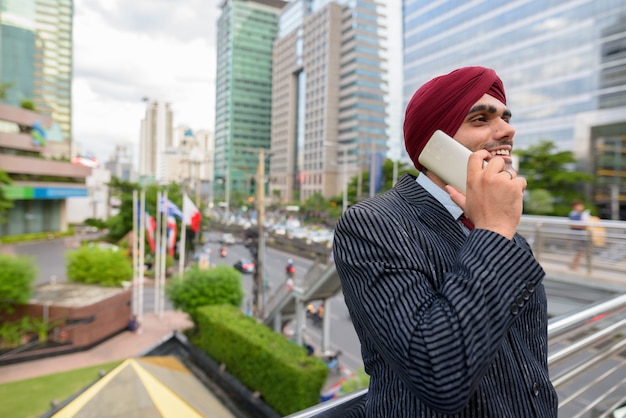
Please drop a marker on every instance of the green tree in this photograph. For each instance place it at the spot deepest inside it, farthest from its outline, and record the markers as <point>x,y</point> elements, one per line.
<point>386,180</point>
<point>122,223</point>
<point>94,265</point>
<point>4,87</point>
<point>315,208</point>
<point>28,104</point>
<point>17,280</point>
<point>546,168</point>
<point>538,202</point>
<point>197,288</point>
<point>335,204</point>
<point>5,202</point>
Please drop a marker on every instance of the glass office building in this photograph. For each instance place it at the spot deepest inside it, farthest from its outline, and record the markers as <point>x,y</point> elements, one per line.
<point>245,34</point>
<point>563,64</point>
<point>36,56</point>
<point>329,107</point>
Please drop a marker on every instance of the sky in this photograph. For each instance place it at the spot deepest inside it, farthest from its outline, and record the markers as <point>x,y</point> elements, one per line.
<point>125,51</point>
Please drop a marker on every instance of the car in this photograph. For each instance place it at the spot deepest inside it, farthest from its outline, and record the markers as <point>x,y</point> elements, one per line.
<point>228,239</point>
<point>244,266</point>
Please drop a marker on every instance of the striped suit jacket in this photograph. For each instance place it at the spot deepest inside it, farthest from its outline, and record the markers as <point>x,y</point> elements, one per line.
<point>449,324</point>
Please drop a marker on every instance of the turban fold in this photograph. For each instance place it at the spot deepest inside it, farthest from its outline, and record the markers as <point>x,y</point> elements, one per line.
<point>443,102</point>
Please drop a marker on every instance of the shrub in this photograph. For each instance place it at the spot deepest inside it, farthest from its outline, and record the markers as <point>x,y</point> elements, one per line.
<point>359,380</point>
<point>94,265</point>
<point>263,360</point>
<point>17,280</point>
<point>198,287</point>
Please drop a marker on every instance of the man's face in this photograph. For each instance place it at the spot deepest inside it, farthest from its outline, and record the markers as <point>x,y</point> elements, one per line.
<point>486,126</point>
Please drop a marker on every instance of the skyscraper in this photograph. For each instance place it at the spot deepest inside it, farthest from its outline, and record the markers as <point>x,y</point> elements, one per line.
<point>156,137</point>
<point>329,96</point>
<point>36,56</point>
<point>562,63</point>
<point>246,32</point>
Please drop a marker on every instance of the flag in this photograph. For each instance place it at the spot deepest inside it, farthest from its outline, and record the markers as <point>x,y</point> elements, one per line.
<point>150,226</point>
<point>172,230</point>
<point>150,230</point>
<point>172,209</point>
<point>191,214</point>
<point>378,171</point>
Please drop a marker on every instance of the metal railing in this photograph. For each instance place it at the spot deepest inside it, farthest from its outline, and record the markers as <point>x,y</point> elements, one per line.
<point>580,341</point>
<point>553,240</point>
<point>575,354</point>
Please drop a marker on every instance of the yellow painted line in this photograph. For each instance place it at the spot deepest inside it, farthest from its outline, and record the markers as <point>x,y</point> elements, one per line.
<point>77,404</point>
<point>167,362</point>
<point>167,402</point>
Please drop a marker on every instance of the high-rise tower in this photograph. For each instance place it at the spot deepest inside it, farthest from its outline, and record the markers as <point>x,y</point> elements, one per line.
<point>155,138</point>
<point>246,32</point>
<point>329,96</point>
<point>36,57</point>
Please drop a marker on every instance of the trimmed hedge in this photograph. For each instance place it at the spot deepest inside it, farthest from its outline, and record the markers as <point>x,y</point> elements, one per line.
<point>261,359</point>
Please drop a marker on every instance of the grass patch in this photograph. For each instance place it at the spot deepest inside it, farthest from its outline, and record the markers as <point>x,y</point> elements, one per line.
<point>31,397</point>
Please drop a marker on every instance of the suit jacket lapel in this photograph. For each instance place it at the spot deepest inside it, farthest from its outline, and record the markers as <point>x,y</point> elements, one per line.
<point>430,211</point>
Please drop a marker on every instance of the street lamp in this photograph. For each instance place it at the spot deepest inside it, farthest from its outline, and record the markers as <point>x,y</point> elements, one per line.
<point>344,174</point>
<point>344,180</point>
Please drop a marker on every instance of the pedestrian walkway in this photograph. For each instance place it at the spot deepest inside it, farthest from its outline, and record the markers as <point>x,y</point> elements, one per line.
<point>556,268</point>
<point>120,347</point>
<point>126,344</point>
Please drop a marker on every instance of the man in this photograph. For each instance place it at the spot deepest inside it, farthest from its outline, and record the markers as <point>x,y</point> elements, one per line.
<point>452,319</point>
<point>579,232</point>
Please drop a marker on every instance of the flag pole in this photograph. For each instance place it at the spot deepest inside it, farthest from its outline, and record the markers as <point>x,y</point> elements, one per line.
<point>183,246</point>
<point>158,291</point>
<point>136,212</point>
<point>142,250</point>
<point>157,247</point>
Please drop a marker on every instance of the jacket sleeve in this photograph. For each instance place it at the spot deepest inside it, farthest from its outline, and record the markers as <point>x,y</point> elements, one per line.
<point>437,315</point>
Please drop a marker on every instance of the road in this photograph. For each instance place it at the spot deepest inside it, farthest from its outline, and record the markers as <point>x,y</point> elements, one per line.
<point>342,334</point>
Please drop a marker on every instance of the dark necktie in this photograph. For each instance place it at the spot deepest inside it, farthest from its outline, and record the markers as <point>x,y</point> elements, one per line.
<point>466,221</point>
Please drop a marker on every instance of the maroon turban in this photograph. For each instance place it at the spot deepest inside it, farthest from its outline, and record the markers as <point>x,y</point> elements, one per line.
<point>443,102</point>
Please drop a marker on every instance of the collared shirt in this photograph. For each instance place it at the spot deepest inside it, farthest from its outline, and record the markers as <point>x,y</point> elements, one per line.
<point>443,197</point>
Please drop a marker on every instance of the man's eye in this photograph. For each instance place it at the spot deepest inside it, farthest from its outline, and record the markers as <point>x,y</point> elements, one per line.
<point>479,119</point>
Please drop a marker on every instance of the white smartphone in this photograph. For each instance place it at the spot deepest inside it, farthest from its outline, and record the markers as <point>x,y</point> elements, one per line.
<point>447,158</point>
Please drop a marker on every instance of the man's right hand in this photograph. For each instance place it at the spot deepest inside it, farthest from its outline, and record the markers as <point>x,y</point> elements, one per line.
<point>494,195</point>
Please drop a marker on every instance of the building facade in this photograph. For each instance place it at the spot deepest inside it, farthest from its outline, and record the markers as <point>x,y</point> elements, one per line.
<point>190,164</point>
<point>246,30</point>
<point>41,186</point>
<point>36,57</point>
<point>120,164</point>
<point>562,63</point>
<point>329,110</point>
<point>156,136</point>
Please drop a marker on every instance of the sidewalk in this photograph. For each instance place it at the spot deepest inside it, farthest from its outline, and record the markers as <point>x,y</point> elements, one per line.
<point>121,346</point>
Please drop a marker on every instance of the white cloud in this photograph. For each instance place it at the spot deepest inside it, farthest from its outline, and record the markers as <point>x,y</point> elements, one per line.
<point>124,51</point>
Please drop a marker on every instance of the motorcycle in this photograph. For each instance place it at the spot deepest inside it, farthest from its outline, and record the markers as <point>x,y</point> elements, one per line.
<point>223,252</point>
<point>314,316</point>
<point>332,361</point>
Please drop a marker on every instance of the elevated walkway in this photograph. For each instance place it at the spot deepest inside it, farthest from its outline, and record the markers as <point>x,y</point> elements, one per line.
<point>320,282</point>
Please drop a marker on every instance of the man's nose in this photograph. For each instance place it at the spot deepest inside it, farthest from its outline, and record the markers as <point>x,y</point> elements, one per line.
<point>503,129</point>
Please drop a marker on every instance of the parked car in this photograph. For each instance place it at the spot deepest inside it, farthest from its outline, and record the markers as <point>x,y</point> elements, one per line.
<point>244,266</point>
<point>228,239</point>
